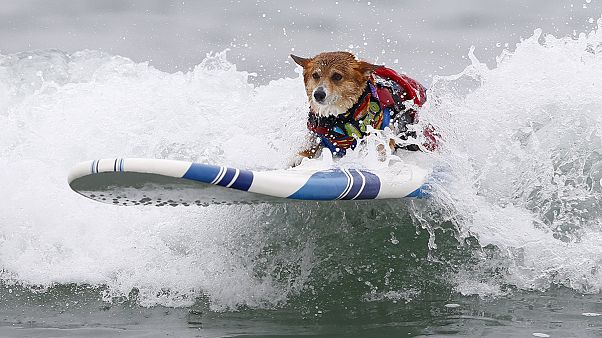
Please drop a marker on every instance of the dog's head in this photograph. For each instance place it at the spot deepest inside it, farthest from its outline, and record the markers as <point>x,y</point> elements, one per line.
<point>334,81</point>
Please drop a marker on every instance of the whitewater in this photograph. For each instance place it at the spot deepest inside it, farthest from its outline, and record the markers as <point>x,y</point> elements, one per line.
<point>521,144</point>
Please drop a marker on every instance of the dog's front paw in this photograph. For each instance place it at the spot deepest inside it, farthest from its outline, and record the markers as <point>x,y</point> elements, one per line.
<point>299,157</point>
<point>308,153</point>
<point>296,161</point>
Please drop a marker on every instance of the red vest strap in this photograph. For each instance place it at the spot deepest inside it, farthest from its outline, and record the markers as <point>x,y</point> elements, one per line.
<point>414,90</point>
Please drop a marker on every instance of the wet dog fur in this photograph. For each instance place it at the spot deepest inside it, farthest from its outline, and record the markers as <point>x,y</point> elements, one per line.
<point>334,82</point>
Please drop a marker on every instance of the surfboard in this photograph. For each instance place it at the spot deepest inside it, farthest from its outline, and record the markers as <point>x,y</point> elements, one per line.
<point>160,182</point>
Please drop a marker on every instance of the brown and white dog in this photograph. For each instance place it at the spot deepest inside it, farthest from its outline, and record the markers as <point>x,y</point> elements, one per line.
<point>346,95</point>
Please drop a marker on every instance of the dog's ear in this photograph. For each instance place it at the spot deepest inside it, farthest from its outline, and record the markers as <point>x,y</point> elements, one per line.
<point>367,68</point>
<point>300,61</point>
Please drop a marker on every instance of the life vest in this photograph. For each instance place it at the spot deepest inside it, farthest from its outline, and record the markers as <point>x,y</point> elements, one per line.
<point>384,101</point>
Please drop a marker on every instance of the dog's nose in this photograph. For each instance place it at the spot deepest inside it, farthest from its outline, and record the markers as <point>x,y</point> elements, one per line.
<point>319,94</point>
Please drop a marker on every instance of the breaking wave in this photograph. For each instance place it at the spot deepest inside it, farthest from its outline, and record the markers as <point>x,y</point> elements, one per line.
<point>519,205</point>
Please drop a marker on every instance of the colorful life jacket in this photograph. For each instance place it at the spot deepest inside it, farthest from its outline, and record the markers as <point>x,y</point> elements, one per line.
<point>383,101</point>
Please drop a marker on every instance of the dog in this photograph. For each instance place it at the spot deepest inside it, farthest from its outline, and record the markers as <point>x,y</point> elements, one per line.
<point>346,95</point>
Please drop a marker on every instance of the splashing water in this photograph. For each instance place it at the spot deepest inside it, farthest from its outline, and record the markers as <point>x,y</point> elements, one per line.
<point>521,143</point>
<point>58,109</point>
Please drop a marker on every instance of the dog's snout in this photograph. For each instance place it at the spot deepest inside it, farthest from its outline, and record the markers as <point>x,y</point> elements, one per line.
<point>319,94</point>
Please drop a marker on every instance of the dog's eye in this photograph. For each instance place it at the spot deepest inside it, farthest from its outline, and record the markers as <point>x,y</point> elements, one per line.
<point>315,76</point>
<point>336,77</point>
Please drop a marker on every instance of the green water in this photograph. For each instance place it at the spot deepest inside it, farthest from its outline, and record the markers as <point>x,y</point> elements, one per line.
<point>78,311</point>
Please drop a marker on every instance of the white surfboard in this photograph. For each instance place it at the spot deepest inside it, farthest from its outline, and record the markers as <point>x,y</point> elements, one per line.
<point>157,182</point>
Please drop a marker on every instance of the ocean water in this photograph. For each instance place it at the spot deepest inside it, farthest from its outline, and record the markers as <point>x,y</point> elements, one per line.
<point>508,245</point>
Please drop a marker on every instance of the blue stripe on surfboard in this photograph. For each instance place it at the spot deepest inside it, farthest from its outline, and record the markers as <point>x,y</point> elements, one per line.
<point>355,187</point>
<point>228,176</point>
<point>422,192</point>
<point>207,173</point>
<point>372,187</point>
<point>202,172</point>
<point>243,181</point>
<point>322,186</point>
